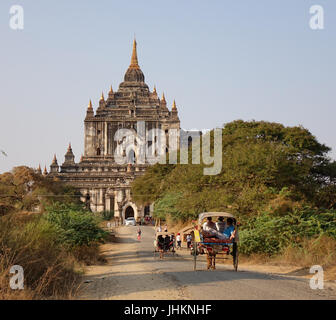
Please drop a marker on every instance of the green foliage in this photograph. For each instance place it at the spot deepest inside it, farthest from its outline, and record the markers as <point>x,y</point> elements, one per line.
<point>256,157</point>
<point>107,215</point>
<point>166,206</point>
<point>75,225</point>
<point>33,243</point>
<point>46,244</point>
<point>271,234</point>
<point>151,186</point>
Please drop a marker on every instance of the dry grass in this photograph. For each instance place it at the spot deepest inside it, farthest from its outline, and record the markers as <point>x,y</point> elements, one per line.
<point>88,255</point>
<point>320,251</point>
<point>48,269</point>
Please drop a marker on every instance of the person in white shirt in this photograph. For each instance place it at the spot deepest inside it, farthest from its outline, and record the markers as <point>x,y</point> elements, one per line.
<point>209,226</point>
<point>178,240</point>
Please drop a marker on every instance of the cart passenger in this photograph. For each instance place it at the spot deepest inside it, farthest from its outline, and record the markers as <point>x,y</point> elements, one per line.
<point>160,241</point>
<point>209,225</point>
<point>220,224</point>
<point>229,232</point>
<point>166,242</point>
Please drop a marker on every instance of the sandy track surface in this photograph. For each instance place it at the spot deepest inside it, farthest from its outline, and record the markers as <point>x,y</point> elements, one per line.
<point>133,273</point>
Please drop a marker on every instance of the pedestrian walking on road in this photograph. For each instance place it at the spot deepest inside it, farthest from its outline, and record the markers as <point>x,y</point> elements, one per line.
<point>139,234</point>
<point>178,240</point>
<point>189,238</point>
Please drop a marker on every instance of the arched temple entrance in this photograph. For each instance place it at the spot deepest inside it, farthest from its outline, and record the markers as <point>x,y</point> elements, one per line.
<point>129,212</point>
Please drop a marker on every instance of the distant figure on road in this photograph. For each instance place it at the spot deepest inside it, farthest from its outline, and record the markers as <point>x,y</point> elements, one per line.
<point>139,234</point>
<point>178,240</point>
<point>189,238</point>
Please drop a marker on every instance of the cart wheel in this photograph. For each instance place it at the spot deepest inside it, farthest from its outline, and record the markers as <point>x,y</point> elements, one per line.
<point>235,256</point>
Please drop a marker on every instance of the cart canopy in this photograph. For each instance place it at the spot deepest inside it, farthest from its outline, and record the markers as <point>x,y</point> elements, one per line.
<point>204,215</point>
<point>163,234</point>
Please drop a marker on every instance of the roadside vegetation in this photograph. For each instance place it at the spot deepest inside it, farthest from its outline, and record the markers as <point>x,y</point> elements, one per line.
<point>278,180</point>
<point>45,229</point>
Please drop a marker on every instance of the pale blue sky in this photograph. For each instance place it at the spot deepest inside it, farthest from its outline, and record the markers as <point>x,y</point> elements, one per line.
<point>221,60</point>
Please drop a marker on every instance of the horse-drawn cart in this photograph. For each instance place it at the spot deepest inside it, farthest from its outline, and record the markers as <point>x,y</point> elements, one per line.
<point>209,244</point>
<point>164,243</point>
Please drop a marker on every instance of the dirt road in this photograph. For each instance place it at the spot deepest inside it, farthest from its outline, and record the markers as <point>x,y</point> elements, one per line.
<point>133,273</point>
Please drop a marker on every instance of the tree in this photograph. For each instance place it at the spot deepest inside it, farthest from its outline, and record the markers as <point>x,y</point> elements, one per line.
<point>24,189</point>
<point>259,160</point>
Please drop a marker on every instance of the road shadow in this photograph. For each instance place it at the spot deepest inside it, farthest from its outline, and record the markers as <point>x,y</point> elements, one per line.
<point>164,280</point>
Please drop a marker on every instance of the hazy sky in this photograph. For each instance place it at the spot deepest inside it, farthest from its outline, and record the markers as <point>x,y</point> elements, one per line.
<point>221,60</point>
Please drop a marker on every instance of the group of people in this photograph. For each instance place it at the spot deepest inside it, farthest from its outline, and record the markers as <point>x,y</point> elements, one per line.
<point>147,220</point>
<point>165,243</point>
<point>221,229</point>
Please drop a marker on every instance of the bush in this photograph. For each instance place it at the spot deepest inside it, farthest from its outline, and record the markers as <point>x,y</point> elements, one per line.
<point>48,246</point>
<point>75,225</point>
<point>33,244</point>
<point>271,234</point>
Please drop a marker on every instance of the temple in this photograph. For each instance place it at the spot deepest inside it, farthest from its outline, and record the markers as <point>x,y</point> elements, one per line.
<point>103,182</point>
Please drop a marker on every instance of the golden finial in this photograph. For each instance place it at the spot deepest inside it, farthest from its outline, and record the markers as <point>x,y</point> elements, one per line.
<point>90,105</point>
<point>154,90</point>
<point>69,147</point>
<point>163,99</point>
<point>111,90</point>
<point>39,169</point>
<point>45,172</point>
<point>55,157</point>
<point>102,97</point>
<point>134,59</point>
<point>174,105</point>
